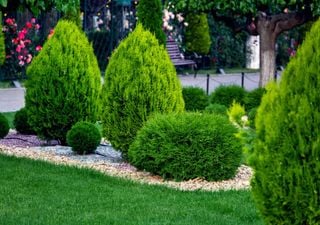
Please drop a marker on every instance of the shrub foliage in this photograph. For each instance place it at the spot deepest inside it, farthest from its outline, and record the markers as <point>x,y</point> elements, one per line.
<point>21,122</point>
<point>64,83</point>
<point>140,80</point>
<point>150,16</point>
<point>286,156</point>
<point>216,109</point>
<point>83,137</point>
<point>195,98</point>
<point>2,43</point>
<point>187,146</point>
<point>253,98</point>
<point>225,95</point>
<point>4,126</point>
<point>197,35</point>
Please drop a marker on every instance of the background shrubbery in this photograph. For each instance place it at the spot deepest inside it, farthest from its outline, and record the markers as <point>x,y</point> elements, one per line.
<point>225,95</point>
<point>186,146</point>
<point>195,98</point>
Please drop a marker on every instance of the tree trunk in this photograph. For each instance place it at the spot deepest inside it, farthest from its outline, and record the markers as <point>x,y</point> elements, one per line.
<point>267,55</point>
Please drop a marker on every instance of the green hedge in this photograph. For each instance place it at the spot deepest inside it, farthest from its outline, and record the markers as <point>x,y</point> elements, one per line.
<point>195,98</point>
<point>225,95</point>
<point>186,146</point>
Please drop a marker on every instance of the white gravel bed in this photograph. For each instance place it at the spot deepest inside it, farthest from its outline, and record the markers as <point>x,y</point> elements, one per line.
<point>109,161</point>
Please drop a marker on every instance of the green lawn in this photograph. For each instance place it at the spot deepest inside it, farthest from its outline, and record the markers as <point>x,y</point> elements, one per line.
<point>10,118</point>
<point>35,192</point>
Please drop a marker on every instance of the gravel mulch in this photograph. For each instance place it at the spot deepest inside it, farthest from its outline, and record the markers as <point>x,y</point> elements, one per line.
<point>109,161</point>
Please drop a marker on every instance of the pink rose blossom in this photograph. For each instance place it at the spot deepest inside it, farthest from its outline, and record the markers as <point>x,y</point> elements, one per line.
<point>28,25</point>
<point>21,63</point>
<point>38,48</point>
<point>29,58</point>
<point>37,26</point>
<point>33,20</point>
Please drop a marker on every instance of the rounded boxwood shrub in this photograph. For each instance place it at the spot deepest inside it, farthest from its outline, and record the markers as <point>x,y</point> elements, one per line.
<point>150,13</point>
<point>225,95</point>
<point>21,122</point>
<point>4,126</point>
<point>188,145</point>
<point>195,98</point>
<point>63,85</point>
<point>83,137</point>
<point>253,98</point>
<point>139,81</point>
<point>286,155</point>
<point>216,109</point>
<point>197,36</point>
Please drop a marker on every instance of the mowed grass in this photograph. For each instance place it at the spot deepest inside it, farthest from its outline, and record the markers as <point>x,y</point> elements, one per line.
<point>35,192</point>
<point>10,118</point>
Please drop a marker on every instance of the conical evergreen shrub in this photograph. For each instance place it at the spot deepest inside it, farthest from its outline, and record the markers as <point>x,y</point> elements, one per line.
<point>150,16</point>
<point>63,84</point>
<point>2,43</point>
<point>197,36</point>
<point>286,185</point>
<point>140,80</point>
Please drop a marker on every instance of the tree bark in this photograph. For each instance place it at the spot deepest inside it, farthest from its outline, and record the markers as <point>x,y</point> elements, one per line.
<point>269,27</point>
<point>267,51</point>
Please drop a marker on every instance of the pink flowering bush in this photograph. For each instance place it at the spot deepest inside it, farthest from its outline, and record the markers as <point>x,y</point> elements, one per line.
<point>21,46</point>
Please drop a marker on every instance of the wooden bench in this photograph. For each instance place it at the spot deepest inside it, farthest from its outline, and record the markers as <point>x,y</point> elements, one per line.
<point>177,57</point>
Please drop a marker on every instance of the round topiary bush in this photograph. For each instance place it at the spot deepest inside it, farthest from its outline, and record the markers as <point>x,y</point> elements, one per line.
<point>195,98</point>
<point>286,184</point>
<point>188,145</point>
<point>4,126</point>
<point>21,122</point>
<point>216,109</point>
<point>63,85</point>
<point>253,98</point>
<point>139,81</point>
<point>225,95</point>
<point>197,36</point>
<point>149,13</point>
<point>83,137</point>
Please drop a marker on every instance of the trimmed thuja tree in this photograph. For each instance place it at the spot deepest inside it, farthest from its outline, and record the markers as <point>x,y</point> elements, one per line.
<point>150,16</point>
<point>63,84</point>
<point>140,80</point>
<point>286,185</point>
<point>197,35</point>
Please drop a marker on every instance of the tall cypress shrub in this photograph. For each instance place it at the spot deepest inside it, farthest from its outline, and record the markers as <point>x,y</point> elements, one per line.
<point>286,185</point>
<point>139,81</point>
<point>63,84</point>
<point>150,16</point>
<point>2,43</point>
<point>197,36</point>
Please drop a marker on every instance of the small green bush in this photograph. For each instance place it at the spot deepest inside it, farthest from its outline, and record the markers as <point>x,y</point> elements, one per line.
<point>225,95</point>
<point>197,36</point>
<point>216,109</point>
<point>83,137</point>
<point>253,98</point>
<point>150,16</point>
<point>140,80</point>
<point>4,126</point>
<point>195,98</point>
<point>286,182</point>
<point>64,84</point>
<point>21,122</point>
<point>237,113</point>
<point>188,145</point>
